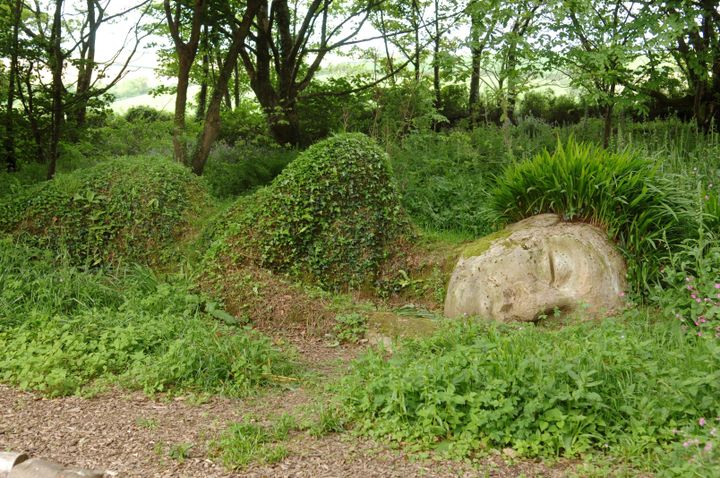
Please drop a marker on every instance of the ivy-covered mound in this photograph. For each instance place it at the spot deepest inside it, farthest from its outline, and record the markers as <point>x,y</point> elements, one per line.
<point>332,217</point>
<point>127,209</point>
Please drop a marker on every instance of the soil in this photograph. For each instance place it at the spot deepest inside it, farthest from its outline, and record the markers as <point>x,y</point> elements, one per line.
<point>132,435</point>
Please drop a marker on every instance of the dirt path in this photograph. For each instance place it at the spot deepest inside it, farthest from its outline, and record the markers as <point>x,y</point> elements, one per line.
<point>133,436</point>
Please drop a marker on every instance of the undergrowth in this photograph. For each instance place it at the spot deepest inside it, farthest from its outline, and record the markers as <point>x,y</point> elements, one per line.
<point>65,331</point>
<point>627,386</point>
<point>238,169</point>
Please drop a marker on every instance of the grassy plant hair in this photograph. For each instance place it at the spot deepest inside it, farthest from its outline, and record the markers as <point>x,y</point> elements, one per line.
<point>619,192</point>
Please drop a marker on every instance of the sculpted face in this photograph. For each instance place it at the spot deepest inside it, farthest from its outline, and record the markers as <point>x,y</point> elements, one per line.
<point>535,267</point>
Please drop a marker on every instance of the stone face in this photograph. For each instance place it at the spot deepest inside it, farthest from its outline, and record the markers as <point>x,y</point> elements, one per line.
<point>8,460</point>
<point>535,267</point>
<point>40,468</point>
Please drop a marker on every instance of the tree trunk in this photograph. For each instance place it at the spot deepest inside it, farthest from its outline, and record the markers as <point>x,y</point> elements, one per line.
<point>185,60</point>
<point>388,56</point>
<point>56,66</point>
<point>226,94</point>
<point>202,100</point>
<point>186,56</point>
<point>436,60</point>
<point>29,108</point>
<point>86,67</point>
<point>211,126</point>
<point>476,52</point>
<point>416,26</point>
<point>511,75</point>
<point>285,127</point>
<point>236,84</point>
<point>9,143</point>
<point>607,130</point>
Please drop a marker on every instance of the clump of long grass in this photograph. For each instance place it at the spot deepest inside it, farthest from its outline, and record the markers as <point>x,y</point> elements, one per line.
<point>619,192</point>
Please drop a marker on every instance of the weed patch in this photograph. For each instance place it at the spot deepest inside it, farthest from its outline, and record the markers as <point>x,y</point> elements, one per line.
<point>61,330</point>
<point>621,386</point>
<point>244,443</point>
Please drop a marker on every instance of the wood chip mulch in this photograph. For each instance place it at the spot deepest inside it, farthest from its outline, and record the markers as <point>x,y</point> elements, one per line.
<point>131,435</point>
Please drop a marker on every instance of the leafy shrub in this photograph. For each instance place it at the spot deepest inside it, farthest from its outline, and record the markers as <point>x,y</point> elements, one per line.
<point>245,124</point>
<point>324,109</point>
<point>13,183</point>
<point>331,216</point>
<point>146,114</point>
<point>621,385</point>
<point>402,109</point>
<point>556,110</point>
<point>454,101</point>
<point>233,170</point>
<point>120,137</point>
<point>127,209</point>
<point>619,192</point>
<point>62,329</point>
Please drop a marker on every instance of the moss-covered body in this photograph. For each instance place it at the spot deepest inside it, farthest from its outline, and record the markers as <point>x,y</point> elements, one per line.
<point>330,218</point>
<point>128,209</point>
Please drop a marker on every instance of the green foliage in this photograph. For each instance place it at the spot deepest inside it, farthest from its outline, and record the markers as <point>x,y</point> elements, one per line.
<point>402,109</point>
<point>233,170</point>
<point>243,443</point>
<point>556,110</point>
<point>690,288</point>
<point>119,136</point>
<point>146,114</point>
<point>619,192</point>
<point>454,101</point>
<point>62,329</point>
<point>130,88</point>
<point>324,109</point>
<point>621,385</point>
<point>331,419</point>
<point>126,209</point>
<point>350,327</point>
<point>180,451</point>
<point>244,125</point>
<point>331,217</point>
<point>444,181</point>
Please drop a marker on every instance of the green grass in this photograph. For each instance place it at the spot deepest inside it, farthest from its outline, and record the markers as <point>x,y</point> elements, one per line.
<point>245,442</point>
<point>620,386</point>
